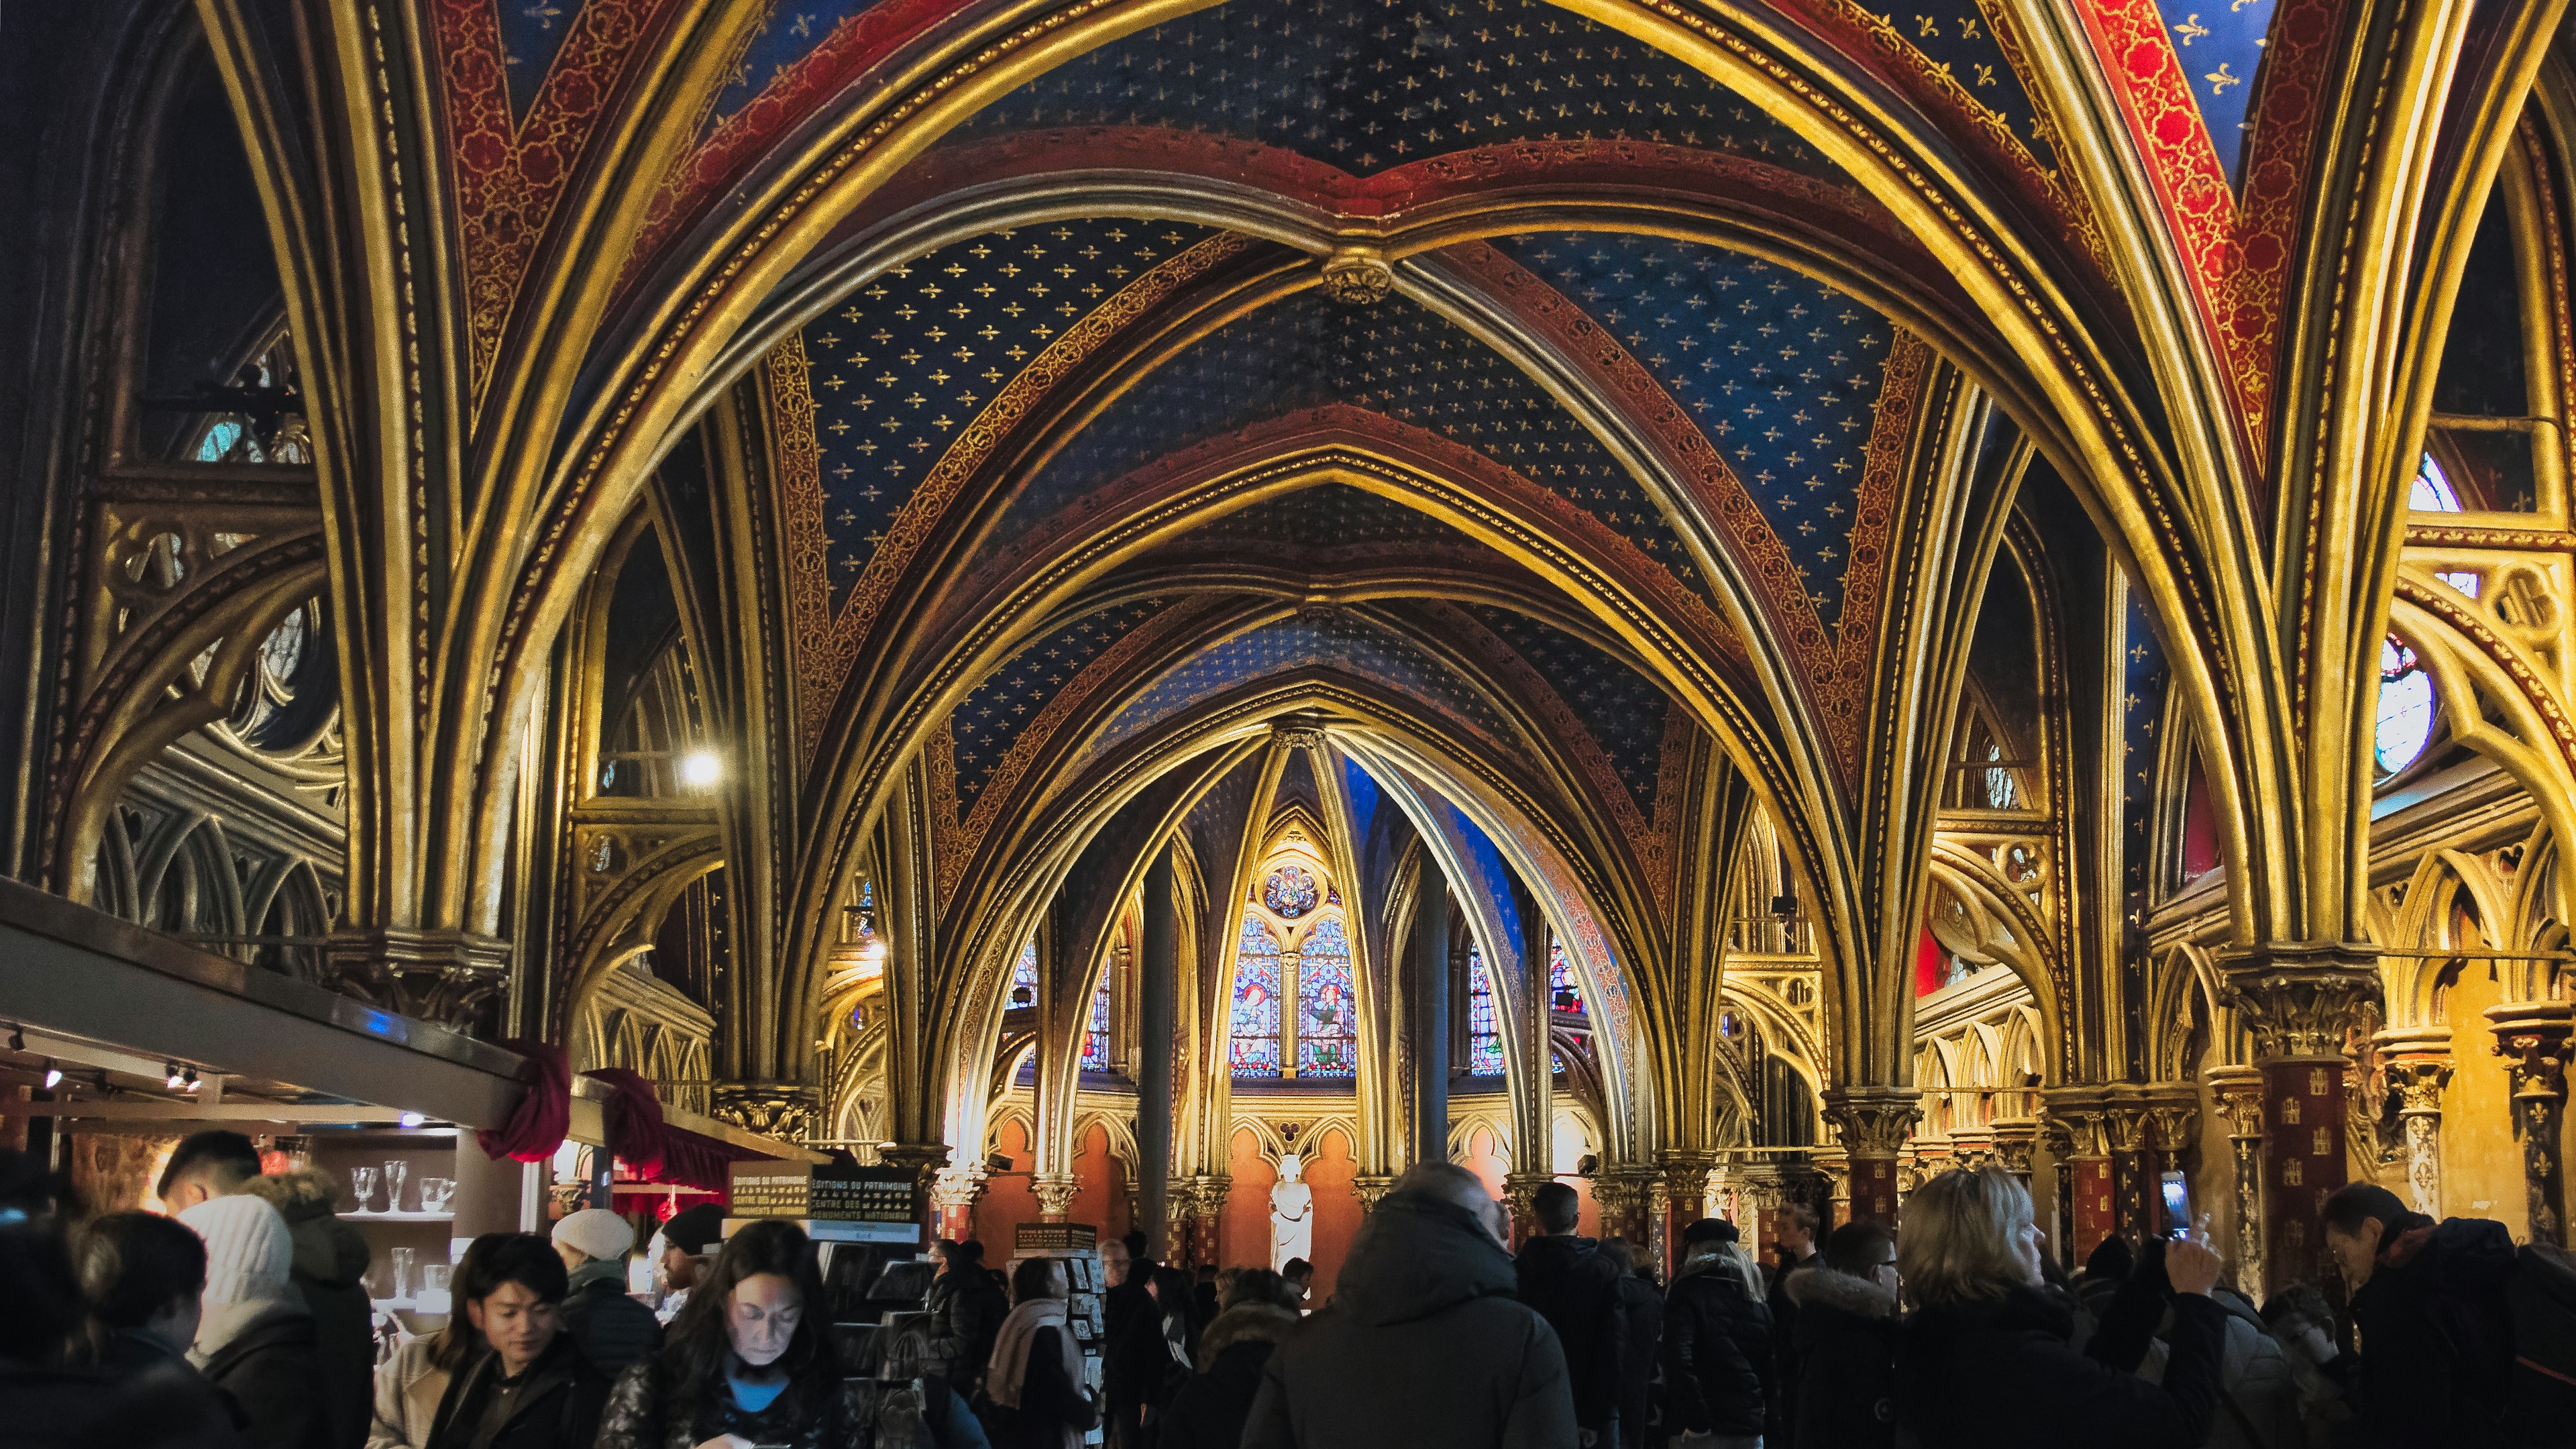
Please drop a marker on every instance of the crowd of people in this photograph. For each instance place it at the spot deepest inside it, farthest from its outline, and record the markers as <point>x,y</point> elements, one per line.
<point>240,1320</point>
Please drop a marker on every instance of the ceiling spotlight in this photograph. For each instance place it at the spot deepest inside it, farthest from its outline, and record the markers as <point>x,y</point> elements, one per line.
<point>700,769</point>
<point>53,1076</point>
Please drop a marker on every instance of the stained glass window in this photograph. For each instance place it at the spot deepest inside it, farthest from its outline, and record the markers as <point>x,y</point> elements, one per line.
<point>1327,1020</point>
<point>2432,491</point>
<point>1024,976</point>
<point>1563,992</point>
<point>1290,892</point>
<point>2405,708</point>
<point>1095,1042</point>
<point>1484,1035</point>
<point>1255,1018</point>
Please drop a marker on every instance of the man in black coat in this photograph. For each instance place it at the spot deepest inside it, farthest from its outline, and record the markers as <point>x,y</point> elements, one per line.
<point>1845,1391</point>
<point>1798,1254</point>
<point>966,1312</point>
<point>1128,1378</point>
<point>1641,1310</point>
<point>1575,1288</point>
<point>1424,1344</point>
<point>610,1328</point>
<point>533,1390</point>
<point>1719,1373</point>
<point>2428,1305</point>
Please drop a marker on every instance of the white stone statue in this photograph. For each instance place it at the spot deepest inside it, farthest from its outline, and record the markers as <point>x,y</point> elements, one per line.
<point>1292,1216</point>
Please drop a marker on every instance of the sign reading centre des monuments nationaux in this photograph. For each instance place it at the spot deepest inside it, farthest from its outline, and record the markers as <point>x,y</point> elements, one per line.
<point>837,1204</point>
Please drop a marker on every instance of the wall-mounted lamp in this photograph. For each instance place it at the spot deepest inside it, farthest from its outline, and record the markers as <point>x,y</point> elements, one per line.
<point>700,769</point>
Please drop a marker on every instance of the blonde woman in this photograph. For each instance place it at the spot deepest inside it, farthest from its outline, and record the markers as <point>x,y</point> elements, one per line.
<point>1984,1360</point>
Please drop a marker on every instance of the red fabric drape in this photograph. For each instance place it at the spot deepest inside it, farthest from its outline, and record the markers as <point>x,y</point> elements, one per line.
<point>538,1124</point>
<point>636,1132</point>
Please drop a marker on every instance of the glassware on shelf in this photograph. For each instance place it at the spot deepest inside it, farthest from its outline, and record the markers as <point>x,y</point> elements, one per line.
<point>363,1181</point>
<point>436,1193</point>
<point>404,1259</point>
<point>396,1170</point>
<point>434,1279</point>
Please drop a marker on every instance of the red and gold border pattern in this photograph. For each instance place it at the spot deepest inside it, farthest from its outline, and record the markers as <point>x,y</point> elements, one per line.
<point>2239,250</point>
<point>508,175</point>
<point>827,643</point>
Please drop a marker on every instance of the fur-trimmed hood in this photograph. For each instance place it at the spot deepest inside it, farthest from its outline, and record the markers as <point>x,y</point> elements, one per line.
<point>1822,1287</point>
<point>327,1250</point>
<point>1243,1323</point>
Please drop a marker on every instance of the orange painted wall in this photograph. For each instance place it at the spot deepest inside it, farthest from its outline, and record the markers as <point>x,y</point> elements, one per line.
<point>1329,1170</point>
<point>1101,1197</point>
<point>1243,1236</point>
<point>1486,1159</point>
<point>1007,1201</point>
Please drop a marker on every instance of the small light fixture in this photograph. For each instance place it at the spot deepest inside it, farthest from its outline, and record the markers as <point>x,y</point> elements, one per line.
<point>53,1076</point>
<point>700,769</point>
<point>412,1119</point>
<point>175,1080</point>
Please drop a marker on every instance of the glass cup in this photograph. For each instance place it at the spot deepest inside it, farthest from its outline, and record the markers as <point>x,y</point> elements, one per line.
<point>433,1288</point>
<point>436,1193</point>
<point>363,1181</point>
<point>404,1259</point>
<point>396,1170</point>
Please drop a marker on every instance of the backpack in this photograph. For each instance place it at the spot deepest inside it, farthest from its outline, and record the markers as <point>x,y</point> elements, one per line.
<point>2540,1295</point>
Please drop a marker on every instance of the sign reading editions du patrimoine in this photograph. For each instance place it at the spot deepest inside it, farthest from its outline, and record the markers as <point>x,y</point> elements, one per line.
<point>839,1204</point>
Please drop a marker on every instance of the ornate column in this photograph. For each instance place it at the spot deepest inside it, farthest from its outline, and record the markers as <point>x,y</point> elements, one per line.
<point>784,1110</point>
<point>2532,1037</point>
<point>2239,1093</point>
<point>2081,1120</point>
<point>2300,1003</point>
<point>1619,1196</point>
<point>1659,1218</point>
<point>2015,1139</point>
<point>1872,1124</point>
<point>1832,1164</point>
<point>1520,1195</point>
<point>1685,1178</point>
<point>1369,1188</point>
<point>1206,1205</point>
<point>2173,1126</point>
<point>1972,1147</point>
<point>1429,993</point>
<point>2124,1123</point>
<point>1055,1192</point>
<point>953,1194</point>
<point>2418,1062</point>
<point>1157,1032</point>
<point>1765,1192</point>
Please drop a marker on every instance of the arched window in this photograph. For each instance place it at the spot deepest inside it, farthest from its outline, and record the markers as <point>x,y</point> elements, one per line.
<point>1255,1017</point>
<point>2432,491</point>
<point>1024,976</point>
<point>2406,708</point>
<point>1095,1042</point>
<point>1563,991</point>
<point>1327,1021</point>
<point>1484,1033</point>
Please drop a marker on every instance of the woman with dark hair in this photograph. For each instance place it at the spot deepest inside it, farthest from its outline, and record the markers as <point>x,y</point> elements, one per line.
<point>411,1382</point>
<point>1035,1378</point>
<point>1259,1308</point>
<point>145,1278</point>
<point>749,1356</point>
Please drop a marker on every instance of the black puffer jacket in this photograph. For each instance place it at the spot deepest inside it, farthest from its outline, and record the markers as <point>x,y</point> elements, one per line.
<point>1641,1305</point>
<point>966,1311</point>
<point>1209,1411</point>
<point>1718,1367</point>
<point>261,1353</point>
<point>1424,1345</point>
<point>2436,1339</point>
<point>1576,1290</point>
<point>611,1329</point>
<point>2000,1374</point>
<point>1845,1341</point>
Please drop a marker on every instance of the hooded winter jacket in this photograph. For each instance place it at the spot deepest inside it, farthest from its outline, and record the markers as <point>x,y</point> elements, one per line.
<point>1999,1374</point>
<point>1576,1290</point>
<point>260,1351</point>
<point>1845,1342</point>
<point>1209,1411</point>
<point>610,1328</point>
<point>2436,1339</point>
<point>331,1272</point>
<point>1423,1345</point>
<point>1718,1366</point>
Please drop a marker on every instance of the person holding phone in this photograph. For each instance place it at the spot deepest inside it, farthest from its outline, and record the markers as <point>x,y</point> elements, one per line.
<point>749,1364</point>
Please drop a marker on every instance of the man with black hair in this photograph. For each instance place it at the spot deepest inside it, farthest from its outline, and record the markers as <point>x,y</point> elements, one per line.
<point>533,1390</point>
<point>1128,1377</point>
<point>1844,1395</point>
<point>687,1239</point>
<point>2428,1306</point>
<point>1301,1280</point>
<point>1796,1243</point>
<point>206,1165</point>
<point>966,1311</point>
<point>1576,1290</point>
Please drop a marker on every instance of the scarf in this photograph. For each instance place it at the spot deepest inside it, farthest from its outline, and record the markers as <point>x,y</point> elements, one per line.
<point>1008,1373</point>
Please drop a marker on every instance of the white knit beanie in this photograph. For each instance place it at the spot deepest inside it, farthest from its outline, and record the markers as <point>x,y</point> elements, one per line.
<point>596,1233</point>
<point>249,1251</point>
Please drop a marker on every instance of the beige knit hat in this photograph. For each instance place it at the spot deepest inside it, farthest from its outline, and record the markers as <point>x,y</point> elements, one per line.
<point>249,1251</point>
<point>597,1233</point>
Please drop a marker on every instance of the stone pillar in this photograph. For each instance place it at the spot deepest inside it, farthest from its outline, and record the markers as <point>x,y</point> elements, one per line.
<point>1157,1036</point>
<point>1520,1195</point>
<point>1685,1178</point>
<point>1764,1194</point>
<point>2300,1003</point>
<point>2082,1123</point>
<point>1431,1015</point>
<point>2532,1037</point>
<point>2418,1062</point>
<point>1834,1209</point>
<point>2239,1094</point>
<point>1972,1147</point>
<point>953,1194</point>
<point>1619,1195</point>
<point>1206,1202</point>
<point>2173,1126</point>
<point>2015,1140</point>
<point>1659,1220</point>
<point>2124,1123</point>
<point>1873,1124</point>
<point>1055,1192</point>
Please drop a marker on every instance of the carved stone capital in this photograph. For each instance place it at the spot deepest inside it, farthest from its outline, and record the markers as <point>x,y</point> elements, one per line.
<point>2533,1038</point>
<point>1972,1147</point>
<point>784,1110</point>
<point>2173,1116</point>
<point>1873,1121</point>
<point>2015,1138</point>
<point>955,1189</point>
<point>1520,1196</point>
<point>1054,1191</point>
<point>2302,1001</point>
<point>2238,1090</point>
<point>1297,736</point>
<point>2417,1061</point>
<point>1371,1188</point>
<point>446,978</point>
<point>2078,1120</point>
<point>1358,277</point>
